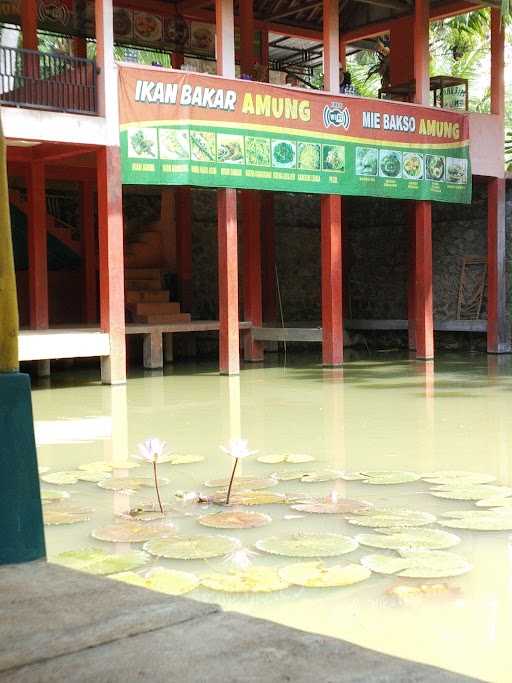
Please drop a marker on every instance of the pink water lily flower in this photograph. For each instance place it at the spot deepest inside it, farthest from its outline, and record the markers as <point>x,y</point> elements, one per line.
<point>151,450</point>
<point>238,449</point>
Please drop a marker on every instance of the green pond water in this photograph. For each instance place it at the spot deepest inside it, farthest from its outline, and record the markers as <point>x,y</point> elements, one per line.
<point>380,413</point>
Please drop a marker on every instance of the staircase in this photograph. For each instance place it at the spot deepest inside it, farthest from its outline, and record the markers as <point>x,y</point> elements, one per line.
<point>146,300</point>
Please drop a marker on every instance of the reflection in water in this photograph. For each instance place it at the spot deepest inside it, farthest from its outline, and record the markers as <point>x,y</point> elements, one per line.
<point>387,413</point>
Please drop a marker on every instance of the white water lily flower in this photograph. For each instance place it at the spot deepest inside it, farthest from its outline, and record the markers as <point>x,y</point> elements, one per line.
<point>238,449</point>
<point>151,450</point>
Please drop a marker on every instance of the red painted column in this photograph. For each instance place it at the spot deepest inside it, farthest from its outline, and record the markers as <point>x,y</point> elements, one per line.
<point>423,284</point>
<point>253,350</point>
<point>37,247</point>
<point>229,343</point>
<point>111,262</point>
<point>229,336</point>
<point>331,245</point>
<point>29,15</point>
<point>268,237</point>
<point>89,252</point>
<point>424,332</point>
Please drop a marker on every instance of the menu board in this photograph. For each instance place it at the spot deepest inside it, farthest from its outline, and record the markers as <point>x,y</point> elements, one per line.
<point>191,129</point>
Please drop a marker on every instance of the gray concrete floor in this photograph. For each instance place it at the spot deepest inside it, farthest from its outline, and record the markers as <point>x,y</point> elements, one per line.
<point>60,625</point>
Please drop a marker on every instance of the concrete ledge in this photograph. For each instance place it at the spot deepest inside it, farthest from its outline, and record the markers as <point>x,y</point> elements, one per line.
<point>58,625</point>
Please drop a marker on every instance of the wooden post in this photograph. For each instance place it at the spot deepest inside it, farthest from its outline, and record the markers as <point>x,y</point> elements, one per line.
<point>229,354</point>
<point>253,350</point>
<point>331,212</point>
<point>37,247</point>
<point>423,282</point>
<point>90,277</point>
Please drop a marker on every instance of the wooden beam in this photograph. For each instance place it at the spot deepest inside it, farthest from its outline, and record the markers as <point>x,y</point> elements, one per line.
<point>392,4</point>
<point>498,340</point>
<point>423,282</point>
<point>301,7</point>
<point>37,247</point>
<point>51,152</point>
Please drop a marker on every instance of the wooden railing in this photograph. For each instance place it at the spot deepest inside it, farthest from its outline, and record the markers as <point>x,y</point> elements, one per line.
<point>50,81</point>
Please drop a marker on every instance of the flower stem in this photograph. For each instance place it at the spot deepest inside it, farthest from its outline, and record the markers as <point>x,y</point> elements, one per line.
<point>157,489</point>
<point>231,481</point>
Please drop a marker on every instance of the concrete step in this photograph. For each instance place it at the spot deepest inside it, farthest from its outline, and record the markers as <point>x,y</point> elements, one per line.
<point>145,285</point>
<point>148,296</point>
<point>156,319</point>
<point>168,308</point>
<point>142,273</point>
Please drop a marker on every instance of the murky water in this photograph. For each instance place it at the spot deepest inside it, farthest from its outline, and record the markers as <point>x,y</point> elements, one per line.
<point>383,413</point>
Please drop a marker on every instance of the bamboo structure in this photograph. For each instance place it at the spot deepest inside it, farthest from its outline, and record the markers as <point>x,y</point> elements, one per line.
<point>9,324</point>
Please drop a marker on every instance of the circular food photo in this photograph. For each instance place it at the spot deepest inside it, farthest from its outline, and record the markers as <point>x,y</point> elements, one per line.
<point>148,27</point>
<point>434,167</point>
<point>390,163</point>
<point>284,154</point>
<point>413,166</point>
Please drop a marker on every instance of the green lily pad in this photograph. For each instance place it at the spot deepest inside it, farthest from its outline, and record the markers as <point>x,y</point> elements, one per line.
<point>145,512</point>
<point>199,547</point>
<point>129,483</point>
<point>391,518</point>
<point>250,498</point>
<point>497,519</point>
<point>56,514</point>
<point>252,580</point>
<point>317,575</point>
<point>320,476</point>
<point>307,545</point>
<point>104,466</point>
<point>242,483</point>
<point>168,581</point>
<point>288,475</point>
<point>495,502</point>
<point>132,532</point>
<point>418,564</point>
<point>186,459</point>
<point>414,538</point>
<point>456,477</point>
<point>352,476</point>
<point>384,477</point>
<point>98,561</point>
<point>330,506</point>
<point>49,496</point>
<point>94,477</point>
<point>235,520</point>
<point>65,477</point>
<point>292,458</point>
<point>470,492</point>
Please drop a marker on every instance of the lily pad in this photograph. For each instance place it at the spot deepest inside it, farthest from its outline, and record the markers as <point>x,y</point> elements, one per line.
<point>470,492</point>
<point>98,561</point>
<point>330,506</point>
<point>498,519</point>
<point>307,545</point>
<point>242,483</point>
<point>383,477</point>
<point>391,518</point>
<point>186,459</point>
<point>320,476</point>
<point>168,581</point>
<point>418,564</point>
<point>64,513</point>
<point>455,477</point>
<point>250,498</point>
<point>94,477</point>
<point>49,496</point>
<point>65,477</point>
<point>317,575</point>
<point>145,512</point>
<point>129,483</point>
<point>352,476</point>
<point>198,547</point>
<point>417,538</point>
<point>292,458</point>
<point>288,475</point>
<point>495,502</point>
<point>235,520</point>
<point>132,532</point>
<point>104,466</point>
<point>252,580</point>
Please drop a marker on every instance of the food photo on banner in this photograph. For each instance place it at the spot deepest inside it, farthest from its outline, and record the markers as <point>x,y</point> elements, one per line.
<point>180,128</point>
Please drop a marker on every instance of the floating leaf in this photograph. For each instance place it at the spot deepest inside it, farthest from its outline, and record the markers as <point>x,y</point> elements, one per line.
<point>242,483</point>
<point>292,458</point>
<point>320,476</point>
<point>169,581</point>
<point>317,575</point>
<point>104,466</point>
<point>98,561</point>
<point>65,477</point>
<point>420,539</point>
<point>63,513</point>
<point>470,491</point>
<point>252,580</point>
<point>455,477</point>
<point>191,547</point>
<point>49,496</point>
<point>250,498</point>
<point>332,506</point>
<point>307,545</point>
<point>145,512</point>
<point>235,520</point>
<point>392,518</point>
<point>495,502</point>
<point>129,483</point>
<point>288,475</point>
<point>352,476</point>
<point>94,477</point>
<point>132,532</point>
<point>422,565</point>
<point>186,459</point>
<point>499,519</point>
<point>389,477</point>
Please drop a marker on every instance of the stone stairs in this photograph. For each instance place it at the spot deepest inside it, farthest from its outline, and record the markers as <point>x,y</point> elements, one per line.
<point>147,301</point>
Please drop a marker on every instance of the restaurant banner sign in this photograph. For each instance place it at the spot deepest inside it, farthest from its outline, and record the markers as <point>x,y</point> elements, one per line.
<point>181,128</point>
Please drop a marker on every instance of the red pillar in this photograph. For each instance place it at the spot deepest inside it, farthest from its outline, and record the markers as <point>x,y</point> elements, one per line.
<point>37,247</point>
<point>90,278</point>
<point>29,14</point>
<point>497,334</point>
<point>253,350</point>
<point>423,308</point>
<point>229,343</point>
<point>110,224</point>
